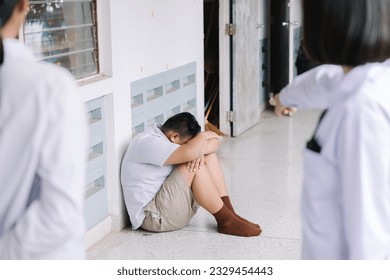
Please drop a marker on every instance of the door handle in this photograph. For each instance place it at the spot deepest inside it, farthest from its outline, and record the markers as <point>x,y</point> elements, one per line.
<point>294,23</point>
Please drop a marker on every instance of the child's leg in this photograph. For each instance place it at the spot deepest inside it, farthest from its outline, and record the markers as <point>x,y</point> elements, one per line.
<point>172,207</point>
<point>203,188</point>
<point>213,164</point>
<point>207,195</point>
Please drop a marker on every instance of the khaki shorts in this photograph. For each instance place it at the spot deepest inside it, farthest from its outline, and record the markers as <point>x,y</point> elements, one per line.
<point>173,206</point>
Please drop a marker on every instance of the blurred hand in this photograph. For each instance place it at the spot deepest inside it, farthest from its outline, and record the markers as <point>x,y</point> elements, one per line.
<point>279,109</point>
<point>193,166</point>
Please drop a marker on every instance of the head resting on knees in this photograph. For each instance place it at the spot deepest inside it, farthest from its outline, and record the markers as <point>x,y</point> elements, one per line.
<point>181,128</point>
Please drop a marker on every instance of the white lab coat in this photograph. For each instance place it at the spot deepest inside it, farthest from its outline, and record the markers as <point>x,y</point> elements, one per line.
<point>42,159</point>
<point>346,192</point>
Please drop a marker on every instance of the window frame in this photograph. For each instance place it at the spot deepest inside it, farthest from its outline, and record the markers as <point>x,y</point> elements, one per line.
<point>96,35</point>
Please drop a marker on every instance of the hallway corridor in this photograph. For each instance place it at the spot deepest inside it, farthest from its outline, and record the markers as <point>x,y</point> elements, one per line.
<point>263,170</point>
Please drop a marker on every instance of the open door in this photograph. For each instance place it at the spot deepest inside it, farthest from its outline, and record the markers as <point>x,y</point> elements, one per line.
<point>243,63</point>
<point>211,66</point>
<point>245,66</point>
<point>280,44</point>
<point>264,42</point>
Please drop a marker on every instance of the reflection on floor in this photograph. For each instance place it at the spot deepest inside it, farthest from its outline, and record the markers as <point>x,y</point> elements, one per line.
<point>263,169</point>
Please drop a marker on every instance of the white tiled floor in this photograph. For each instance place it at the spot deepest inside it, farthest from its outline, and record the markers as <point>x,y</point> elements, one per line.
<point>263,169</point>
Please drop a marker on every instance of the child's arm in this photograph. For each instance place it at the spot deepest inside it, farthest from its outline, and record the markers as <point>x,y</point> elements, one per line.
<point>197,147</point>
<point>312,89</point>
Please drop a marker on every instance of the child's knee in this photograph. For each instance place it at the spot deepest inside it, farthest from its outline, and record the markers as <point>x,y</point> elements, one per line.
<point>185,173</point>
<point>210,157</point>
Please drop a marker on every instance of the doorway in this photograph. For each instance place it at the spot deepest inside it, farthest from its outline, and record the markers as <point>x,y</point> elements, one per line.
<point>235,41</point>
<point>211,65</point>
<point>280,44</point>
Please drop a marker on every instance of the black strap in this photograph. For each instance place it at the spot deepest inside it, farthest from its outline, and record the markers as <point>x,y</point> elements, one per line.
<point>312,144</point>
<point>1,51</point>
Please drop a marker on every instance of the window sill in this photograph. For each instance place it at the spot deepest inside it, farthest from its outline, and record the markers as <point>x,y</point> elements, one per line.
<point>95,86</point>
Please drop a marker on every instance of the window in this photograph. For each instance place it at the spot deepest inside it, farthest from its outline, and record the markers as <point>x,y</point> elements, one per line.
<point>64,32</point>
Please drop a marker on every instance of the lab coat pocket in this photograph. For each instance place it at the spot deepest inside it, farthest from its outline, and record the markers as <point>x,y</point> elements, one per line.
<point>320,197</point>
<point>320,206</point>
<point>319,178</point>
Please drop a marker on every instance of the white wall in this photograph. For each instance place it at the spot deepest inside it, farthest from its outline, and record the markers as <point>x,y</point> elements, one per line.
<point>137,39</point>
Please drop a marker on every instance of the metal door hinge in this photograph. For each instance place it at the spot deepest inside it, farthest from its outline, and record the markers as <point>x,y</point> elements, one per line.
<point>230,29</point>
<point>230,116</point>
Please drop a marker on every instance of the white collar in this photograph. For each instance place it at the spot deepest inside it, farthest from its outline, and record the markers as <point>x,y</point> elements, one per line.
<point>13,49</point>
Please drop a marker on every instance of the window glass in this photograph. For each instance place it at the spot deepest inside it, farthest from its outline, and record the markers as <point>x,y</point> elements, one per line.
<point>64,32</point>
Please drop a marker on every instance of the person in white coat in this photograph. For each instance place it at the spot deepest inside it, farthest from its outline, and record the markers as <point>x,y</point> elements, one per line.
<point>346,192</point>
<point>42,151</point>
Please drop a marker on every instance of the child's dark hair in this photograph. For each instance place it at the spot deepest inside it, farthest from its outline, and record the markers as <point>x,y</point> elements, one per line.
<point>6,9</point>
<point>346,32</point>
<point>183,123</point>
